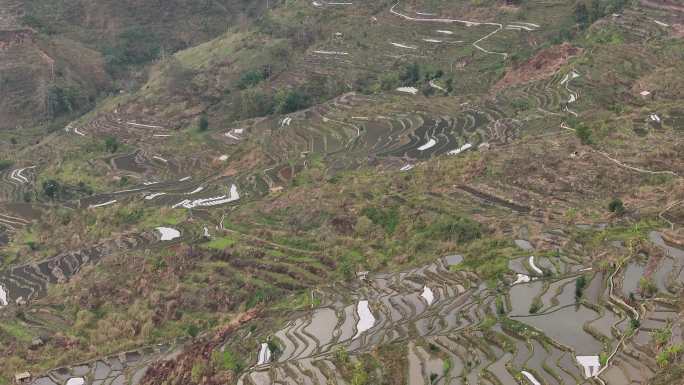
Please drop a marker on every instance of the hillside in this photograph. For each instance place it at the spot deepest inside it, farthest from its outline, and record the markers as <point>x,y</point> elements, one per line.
<point>310,192</point>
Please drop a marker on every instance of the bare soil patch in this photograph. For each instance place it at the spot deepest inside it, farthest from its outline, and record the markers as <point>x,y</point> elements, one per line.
<point>546,63</point>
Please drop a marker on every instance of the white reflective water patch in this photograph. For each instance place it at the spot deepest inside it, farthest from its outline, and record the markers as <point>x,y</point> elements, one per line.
<point>428,295</point>
<point>264,355</point>
<point>522,278</point>
<point>323,52</point>
<point>534,267</point>
<point>459,150</point>
<point>407,167</point>
<point>408,90</point>
<point>168,234</point>
<point>3,297</point>
<point>366,319</point>
<point>102,204</point>
<point>591,365</point>
<point>232,196</point>
<point>195,191</point>
<point>76,381</point>
<point>531,378</point>
<point>431,143</point>
<point>403,46</point>
<point>152,196</point>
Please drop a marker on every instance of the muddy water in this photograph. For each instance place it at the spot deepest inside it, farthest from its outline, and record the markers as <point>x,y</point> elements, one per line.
<point>114,370</point>
<point>322,325</point>
<point>30,281</point>
<point>522,296</point>
<point>559,291</point>
<point>595,289</point>
<point>537,363</point>
<point>565,326</point>
<point>633,273</point>
<point>498,369</point>
<point>523,244</point>
<point>603,325</point>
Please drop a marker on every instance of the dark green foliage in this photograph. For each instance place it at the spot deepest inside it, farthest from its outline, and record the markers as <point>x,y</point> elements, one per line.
<point>192,330</point>
<point>203,124</point>
<point>64,100</point>
<point>456,229</point>
<point>51,188</point>
<point>290,101</point>
<point>616,206</point>
<point>583,132</point>
<point>596,9</point>
<point>5,164</point>
<point>111,144</point>
<point>536,306</point>
<point>580,284</point>
<point>411,75</point>
<point>134,46</point>
<point>500,307</point>
<point>388,219</point>
<point>253,77</point>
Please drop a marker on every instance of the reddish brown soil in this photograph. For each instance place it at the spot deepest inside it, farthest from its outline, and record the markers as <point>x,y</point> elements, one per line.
<point>179,370</point>
<point>546,63</point>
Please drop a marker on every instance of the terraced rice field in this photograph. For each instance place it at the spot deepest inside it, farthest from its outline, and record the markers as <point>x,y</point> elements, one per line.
<point>545,344</point>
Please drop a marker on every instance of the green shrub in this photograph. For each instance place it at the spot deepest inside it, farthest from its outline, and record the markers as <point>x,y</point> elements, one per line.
<point>203,124</point>
<point>290,101</point>
<point>51,188</point>
<point>580,284</point>
<point>5,164</point>
<point>583,132</point>
<point>111,144</point>
<point>457,229</point>
<point>616,206</point>
<point>227,360</point>
<point>388,219</point>
<point>535,306</point>
<point>251,78</point>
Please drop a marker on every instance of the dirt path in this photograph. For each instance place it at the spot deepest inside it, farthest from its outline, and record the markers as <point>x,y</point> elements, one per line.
<point>267,242</point>
<point>621,303</point>
<point>667,172</point>
<point>468,23</point>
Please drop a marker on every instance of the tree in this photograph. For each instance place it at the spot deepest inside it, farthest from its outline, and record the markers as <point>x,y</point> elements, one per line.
<point>51,188</point>
<point>583,133</point>
<point>291,101</point>
<point>203,123</point>
<point>580,284</point>
<point>111,144</point>
<point>616,206</point>
<point>411,75</point>
<point>581,13</point>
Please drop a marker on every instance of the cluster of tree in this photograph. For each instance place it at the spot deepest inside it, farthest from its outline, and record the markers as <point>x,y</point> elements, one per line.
<point>587,12</point>
<point>254,102</point>
<point>62,99</point>
<point>414,75</point>
<point>54,190</point>
<point>253,77</point>
<point>134,46</point>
